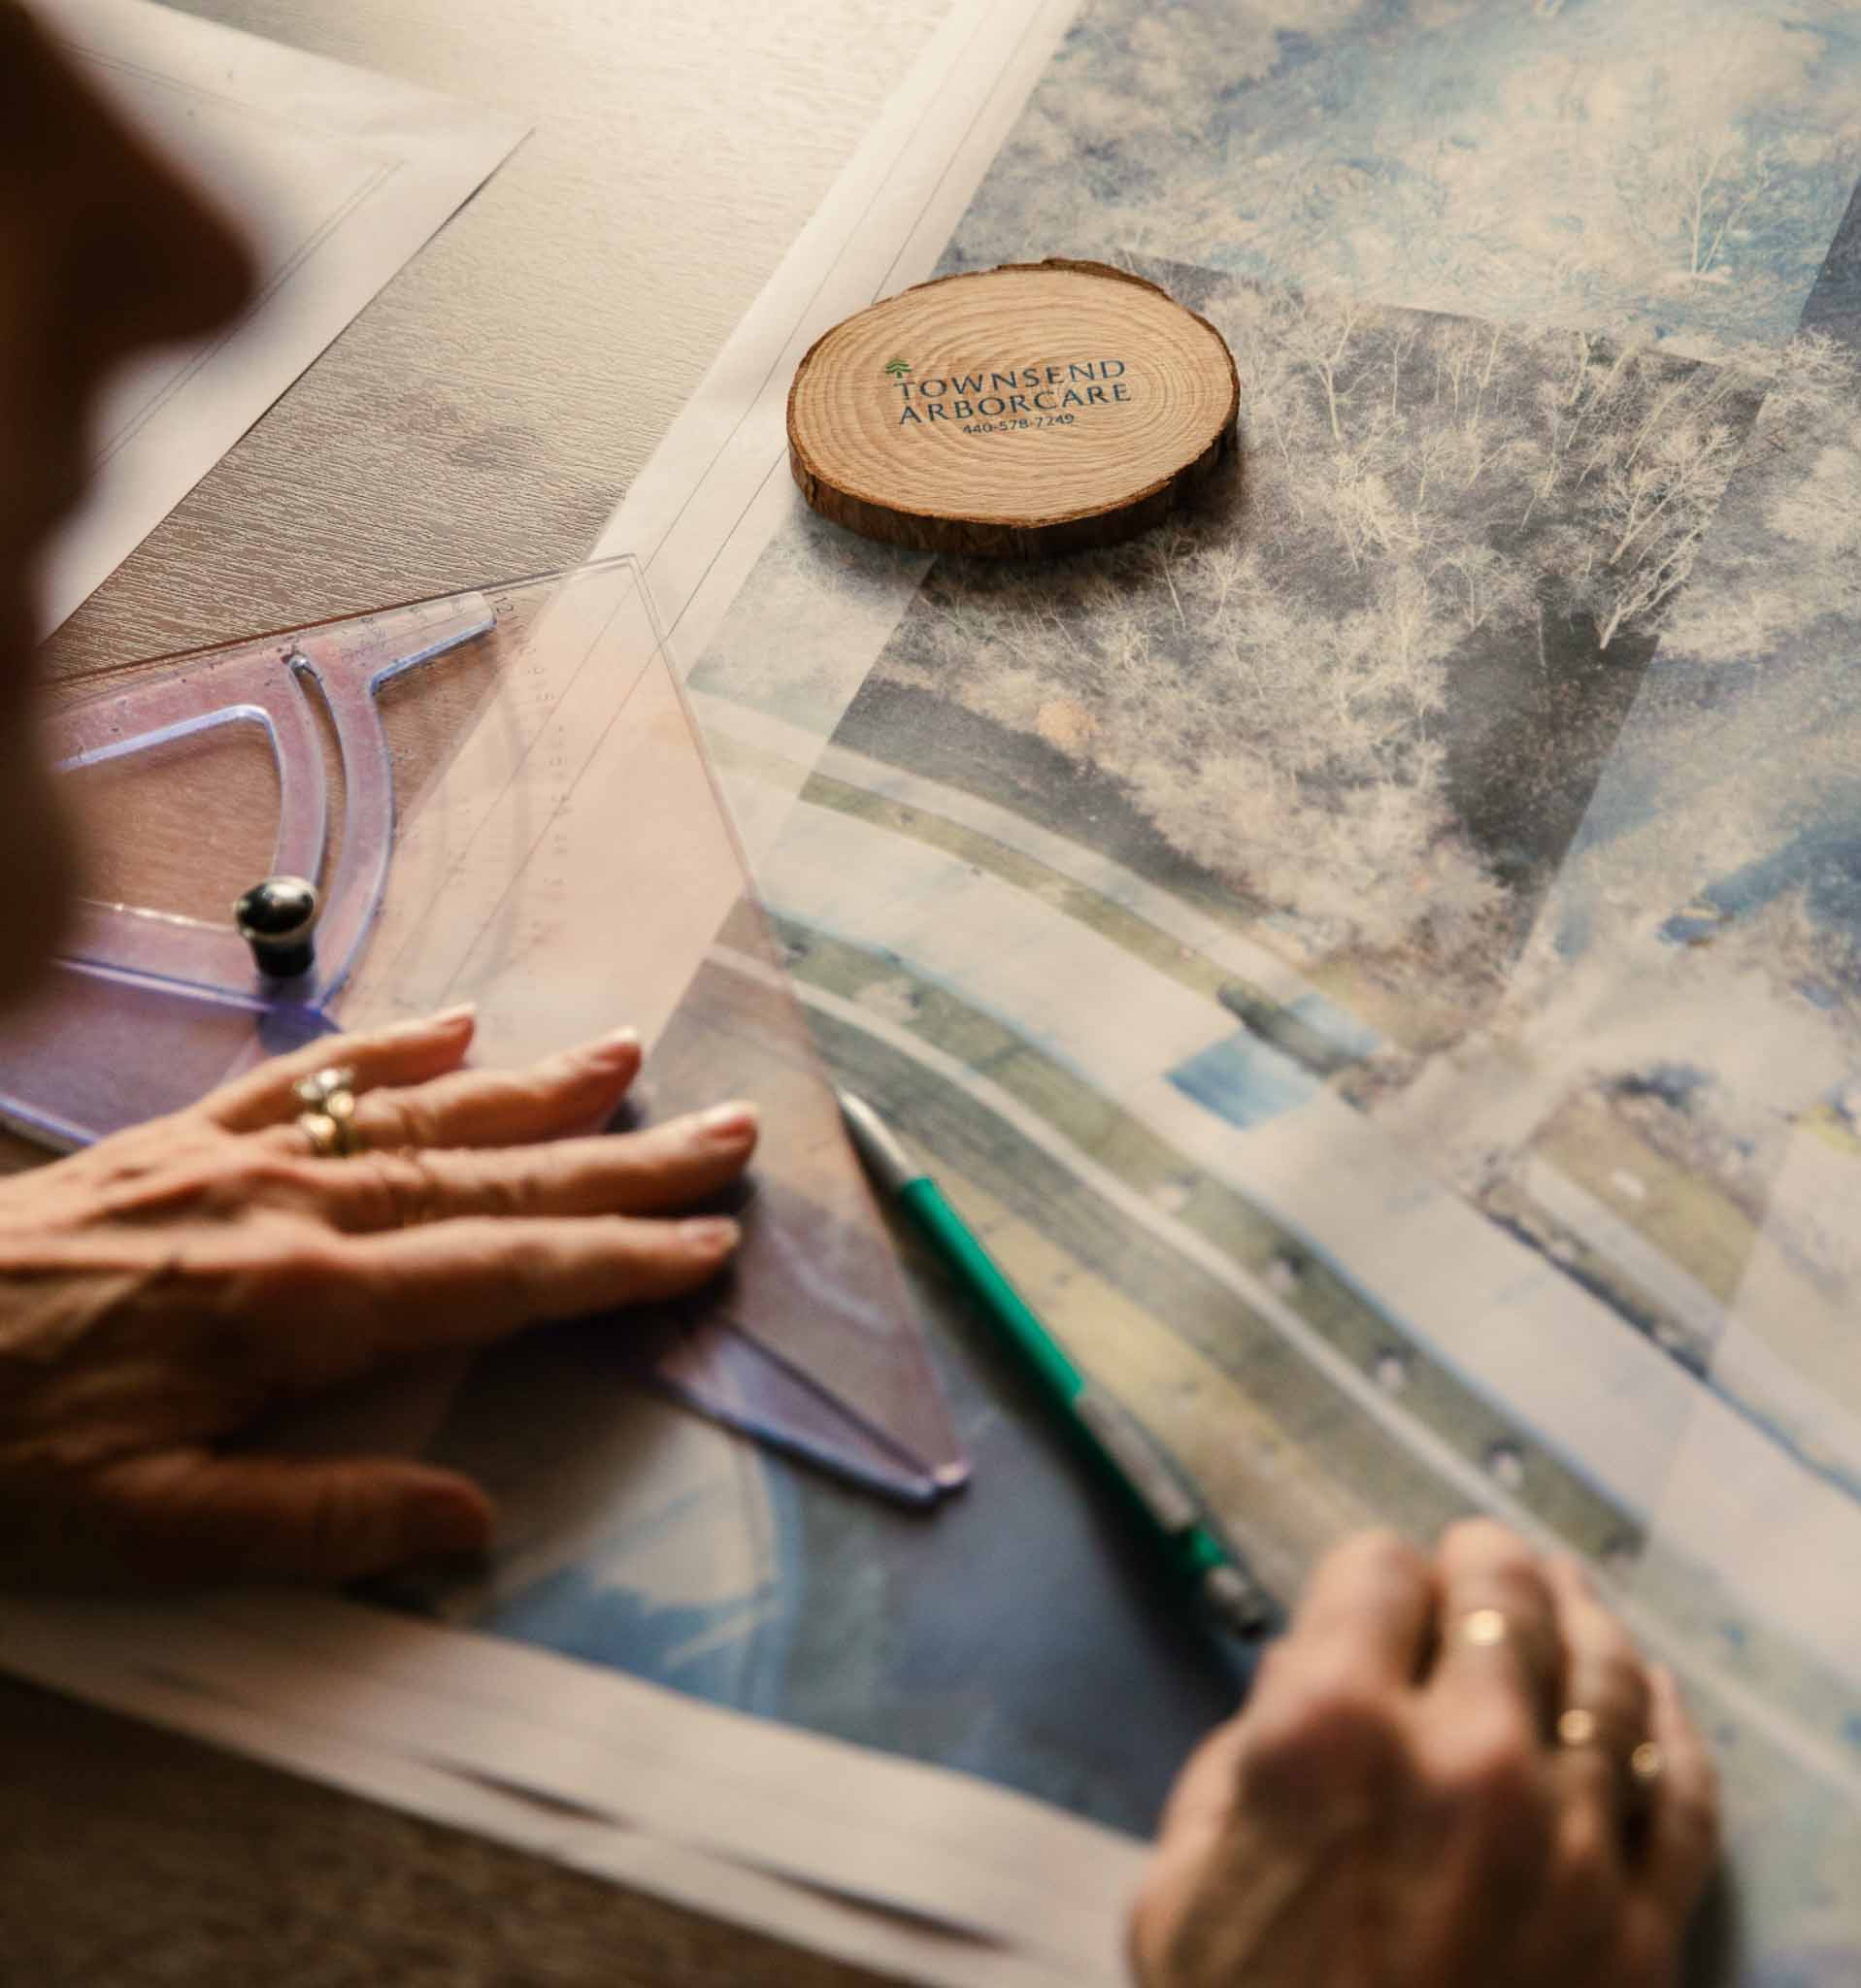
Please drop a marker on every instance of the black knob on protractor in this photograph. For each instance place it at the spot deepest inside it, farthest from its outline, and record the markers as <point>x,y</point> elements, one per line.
<point>277,919</point>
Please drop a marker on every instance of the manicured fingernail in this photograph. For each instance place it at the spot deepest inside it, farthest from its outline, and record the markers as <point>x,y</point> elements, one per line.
<point>433,1024</point>
<point>712,1235</point>
<point>729,1124</point>
<point>617,1051</point>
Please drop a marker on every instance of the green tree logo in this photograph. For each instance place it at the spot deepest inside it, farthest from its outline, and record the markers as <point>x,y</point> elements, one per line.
<point>897,368</point>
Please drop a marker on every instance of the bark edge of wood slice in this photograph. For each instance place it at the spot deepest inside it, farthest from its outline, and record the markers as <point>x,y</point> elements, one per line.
<point>1013,412</point>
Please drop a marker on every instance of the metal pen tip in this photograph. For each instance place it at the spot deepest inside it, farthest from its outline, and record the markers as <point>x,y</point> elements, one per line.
<point>1234,1601</point>
<point>887,1160</point>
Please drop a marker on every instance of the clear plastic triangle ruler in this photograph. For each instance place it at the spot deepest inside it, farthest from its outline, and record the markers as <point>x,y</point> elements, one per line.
<point>501,798</point>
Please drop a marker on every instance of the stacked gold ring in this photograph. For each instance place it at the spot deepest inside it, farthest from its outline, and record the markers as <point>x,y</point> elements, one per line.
<point>328,1117</point>
<point>1578,1725</point>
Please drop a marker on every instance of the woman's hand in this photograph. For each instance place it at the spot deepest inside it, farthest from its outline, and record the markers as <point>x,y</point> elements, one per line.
<point>1395,1808</point>
<point>162,1290</point>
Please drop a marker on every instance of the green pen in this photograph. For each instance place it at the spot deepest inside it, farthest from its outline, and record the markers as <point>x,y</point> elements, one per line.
<point>1180,1530</point>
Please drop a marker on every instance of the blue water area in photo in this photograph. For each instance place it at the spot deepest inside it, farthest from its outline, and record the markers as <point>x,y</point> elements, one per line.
<point>1243,1080</point>
<point>722,1654</point>
<point>1337,1025</point>
<point>1822,862</point>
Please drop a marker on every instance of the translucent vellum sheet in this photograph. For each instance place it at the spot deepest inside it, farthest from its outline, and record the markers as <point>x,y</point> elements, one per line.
<point>505,801</point>
<point>502,799</point>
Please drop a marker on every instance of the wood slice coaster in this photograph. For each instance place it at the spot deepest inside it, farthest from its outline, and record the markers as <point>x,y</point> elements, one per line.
<point>1017,411</point>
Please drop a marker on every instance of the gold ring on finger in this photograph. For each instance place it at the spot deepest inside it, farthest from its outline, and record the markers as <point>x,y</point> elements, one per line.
<point>1642,1766</point>
<point>1486,1629</point>
<point>328,1117</point>
<point>1647,1764</point>
<point>1490,1629</point>
<point>1578,1725</point>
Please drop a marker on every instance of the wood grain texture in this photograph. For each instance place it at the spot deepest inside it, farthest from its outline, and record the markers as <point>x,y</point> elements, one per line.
<point>483,416</point>
<point>478,421</point>
<point>1013,412</point>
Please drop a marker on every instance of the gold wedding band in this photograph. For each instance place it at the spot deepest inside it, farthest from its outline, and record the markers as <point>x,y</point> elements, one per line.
<point>1579,1727</point>
<point>1485,1629</point>
<point>328,1117</point>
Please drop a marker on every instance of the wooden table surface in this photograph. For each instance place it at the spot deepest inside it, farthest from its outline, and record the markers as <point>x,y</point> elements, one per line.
<point>479,419</point>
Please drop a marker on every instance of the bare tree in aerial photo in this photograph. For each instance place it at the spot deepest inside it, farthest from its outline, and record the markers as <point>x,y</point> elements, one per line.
<point>1641,171</point>
<point>1369,699</point>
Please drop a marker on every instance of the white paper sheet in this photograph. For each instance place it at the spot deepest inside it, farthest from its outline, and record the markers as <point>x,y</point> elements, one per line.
<point>138,1680</point>
<point>704,1805</point>
<point>336,175</point>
